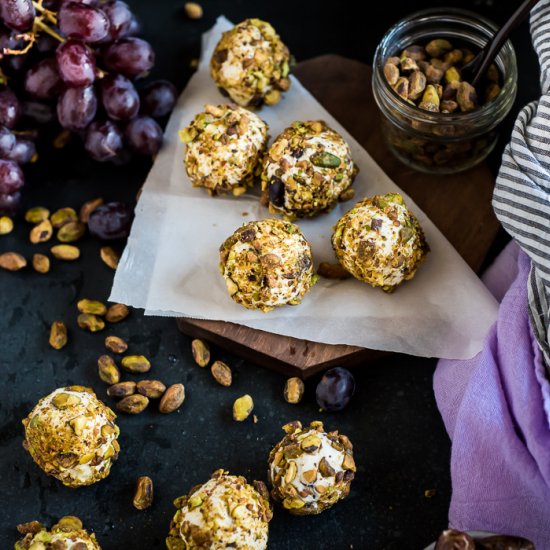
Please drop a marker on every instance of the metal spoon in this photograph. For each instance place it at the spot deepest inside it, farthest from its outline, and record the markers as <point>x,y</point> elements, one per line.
<point>477,67</point>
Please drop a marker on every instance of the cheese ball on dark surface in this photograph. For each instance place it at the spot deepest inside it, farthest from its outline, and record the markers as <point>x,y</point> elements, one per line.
<point>310,470</point>
<point>225,147</point>
<point>380,242</point>
<point>307,170</point>
<point>267,264</point>
<point>251,64</point>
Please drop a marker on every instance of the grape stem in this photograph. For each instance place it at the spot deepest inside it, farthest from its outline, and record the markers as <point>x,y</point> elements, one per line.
<point>43,27</point>
<point>50,15</point>
<point>28,37</point>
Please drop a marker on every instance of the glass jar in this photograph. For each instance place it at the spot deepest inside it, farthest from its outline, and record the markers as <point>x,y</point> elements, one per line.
<point>438,142</point>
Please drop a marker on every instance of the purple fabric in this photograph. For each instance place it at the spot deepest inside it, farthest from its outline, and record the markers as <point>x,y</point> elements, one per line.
<point>496,408</point>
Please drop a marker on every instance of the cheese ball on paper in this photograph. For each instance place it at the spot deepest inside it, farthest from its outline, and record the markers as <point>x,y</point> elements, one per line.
<point>224,512</point>
<point>72,436</point>
<point>380,242</point>
<point>225,146</point>
<point>307,170</point>
<point>250,64</point>
<point>309,469</point>
<point>267,264</point>
<point>67,534</point>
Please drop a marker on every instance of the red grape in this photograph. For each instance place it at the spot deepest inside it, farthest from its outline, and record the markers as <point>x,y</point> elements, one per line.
<point>335,389</point>
<point>120,98</point>
<point>7,142</point>
<point>76,108</point>
<point>158,98</point>
<point>23,152</point>
<point>76,63</point>
<point>87,23</point>
<point>9,203</point>
<point>111,221</point>
<point>17,14</point>
<point>120,18</point>
<point>42,80</point>
<point>103,141</point>
<point>144,135</point>
<point>10,108</point>
<point>130,56</point>
<point>11,177</point>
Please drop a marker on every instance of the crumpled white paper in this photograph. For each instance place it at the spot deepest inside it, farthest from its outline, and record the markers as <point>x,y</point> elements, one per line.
<point>170,264</point>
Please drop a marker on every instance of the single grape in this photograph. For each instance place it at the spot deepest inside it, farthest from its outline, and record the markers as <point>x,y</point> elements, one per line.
<point>120,19</point>
<point>23,152</point>
<point>129,56</point>
<point>111,221</point>
<point>17,14</point>
<point>335,389</point>
<point>92,3</point>
<point>46,43</point>
<point>144,135</point>
<point>9,203</point>
<point>11,177</point>
<point>7,142</point>
<point>158,98</point>
<point>76,108</point>
<point>103,141</point>
<point>120,98</point>
<point>10,108</point>
<point>87,23</point>
<point>135,27</point>
<point>10,40</point>
<point>42,80</point>
<point>76,63</point>
<point>41,113</point>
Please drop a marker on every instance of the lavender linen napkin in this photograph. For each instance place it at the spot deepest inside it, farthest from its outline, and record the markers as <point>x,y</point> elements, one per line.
<point>496,410</point>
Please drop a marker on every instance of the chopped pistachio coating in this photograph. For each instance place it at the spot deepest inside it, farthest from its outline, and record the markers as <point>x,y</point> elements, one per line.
<point>251,64</point>
<point>380,242</point>
<point>225,146</point>
<point>309,469</point>
<point>72,436</point>
<point>267,264</point>
<point>67,534</point>
<point>224,512</point>
<point>306,170</point>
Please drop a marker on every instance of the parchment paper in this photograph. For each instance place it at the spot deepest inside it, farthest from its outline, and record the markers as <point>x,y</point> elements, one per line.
<point>170,264</point>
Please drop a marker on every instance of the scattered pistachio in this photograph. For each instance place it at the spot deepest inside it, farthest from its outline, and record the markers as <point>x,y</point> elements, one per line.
<point>116,313</point>
<point>242,407</point>
<point>41,263</point>
<point>201,352</point>
<point>133,404</point>
<point>91,306</point>
<point>109,256</point>
<point>58,335</point>
<point>6,225</point>
<point>37,214</point>
<point>12,261</point>
<point>107,370</point>
<point>90,322</point>
<point>172,399</point>
<point>272,98</point>
<point>115,344</point>
<point>63,216</point>
<point>136,364</point>
<point>42,232</point>
<point>221,373</point>
<point>294,390</point>
<point>122,389</point>
<point>153,389</point>
<point>143,496</point>
<point>71,232</point>
<point>87,208</point>
<point>193,10</point>
<point>332,271</point>
<point>66,252</point>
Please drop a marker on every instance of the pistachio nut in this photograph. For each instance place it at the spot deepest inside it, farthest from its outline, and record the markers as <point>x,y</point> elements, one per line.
<point>42,232</point>
<point>115,344</point>
<point>41,263</point>
<point>417,84</point>
<point>222,373</point>
<point>136,364</point>
<point>491,91</point>
<point>416,52</point>
<point>242,407</point>
<point>90,322</point>
<point>37,214</point>
<point>391,72</point>
<point>294,390</point>
<point>143,495</point>
<point>87,208</point>
<point>12,261</point>
<point>107,370</point>
<point>153,389</point>
<point>452,74</point>
<point>109,256</point>
<point>71,232</point>
<point>91,306</point>
<point>6,225</point>
<point>133,404</point>
<point>201,352</point>
<point>66,252</point>
<point>117,313</point>
<point>63,216</point>
<point>172,399</point>
<point>438,47</point>
<point>122,389</point>
<point>58,335</point>
<point>402,87</point>
<point>466,97</point>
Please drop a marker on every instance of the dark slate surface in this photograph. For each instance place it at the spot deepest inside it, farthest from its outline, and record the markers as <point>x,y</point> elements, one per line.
<point>401,445</point>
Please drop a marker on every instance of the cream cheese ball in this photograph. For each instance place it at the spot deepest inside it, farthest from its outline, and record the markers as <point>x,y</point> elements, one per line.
<point>310,470</point>
<point>380,242</point>
<point>72,436</point>
<point>225,146</point>
<point>224,512</point>
<point>307,170</point>
<point>250,64</point>
<point>267,264</point>
<point>67,534</point>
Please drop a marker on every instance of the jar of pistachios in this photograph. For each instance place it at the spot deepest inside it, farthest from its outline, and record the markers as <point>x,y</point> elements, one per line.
<point>434,119</point>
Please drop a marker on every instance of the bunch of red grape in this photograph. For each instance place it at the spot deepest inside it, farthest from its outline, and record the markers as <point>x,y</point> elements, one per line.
<point>73,63</point>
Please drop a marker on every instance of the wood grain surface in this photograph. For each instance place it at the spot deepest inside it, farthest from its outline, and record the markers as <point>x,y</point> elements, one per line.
<point>458,204</point>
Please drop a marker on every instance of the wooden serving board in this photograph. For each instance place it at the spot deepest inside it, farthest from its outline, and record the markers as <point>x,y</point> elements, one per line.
<point>458,204</point>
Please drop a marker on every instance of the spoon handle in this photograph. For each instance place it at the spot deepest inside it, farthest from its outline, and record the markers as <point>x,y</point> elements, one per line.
<point>496,43</point>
